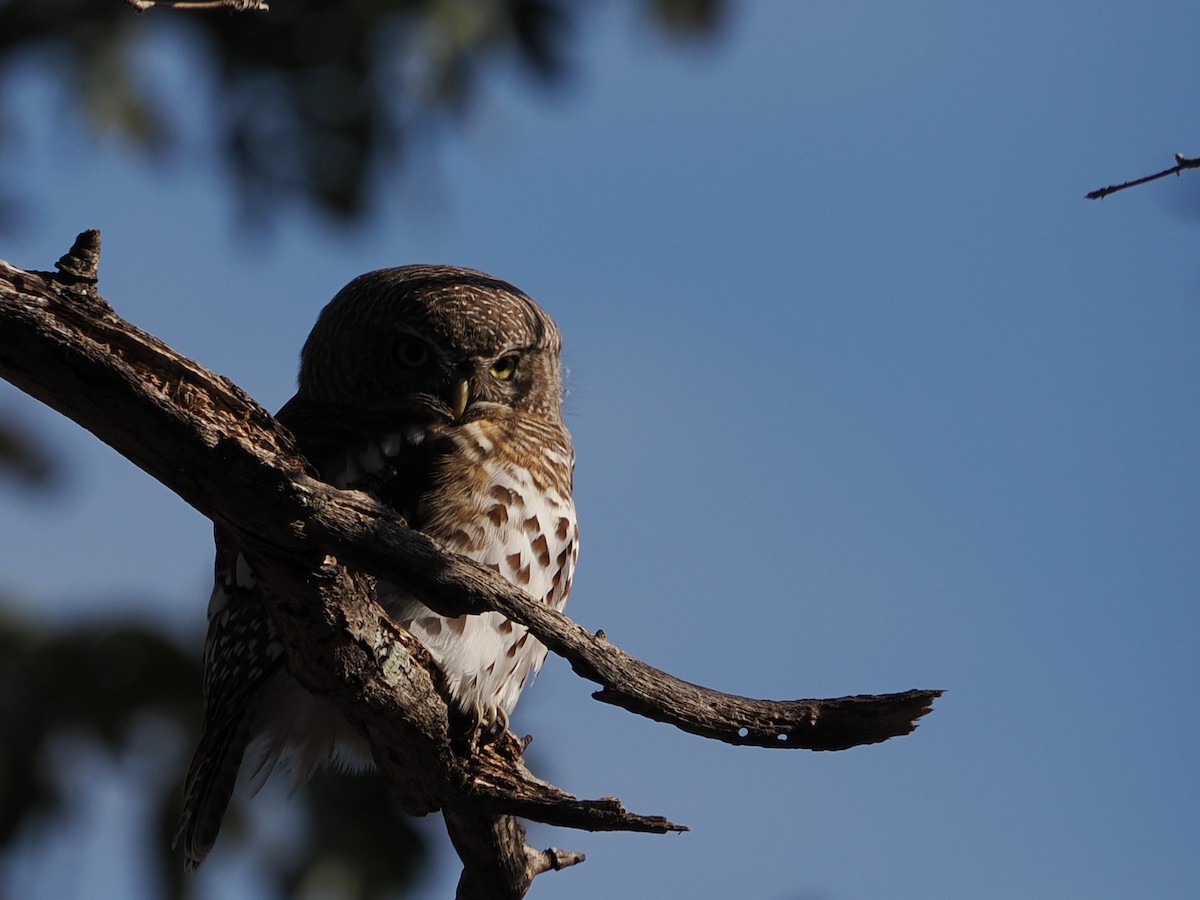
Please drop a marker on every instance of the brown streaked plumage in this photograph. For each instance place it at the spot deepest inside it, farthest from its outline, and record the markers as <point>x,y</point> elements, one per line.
<point>438,390</point>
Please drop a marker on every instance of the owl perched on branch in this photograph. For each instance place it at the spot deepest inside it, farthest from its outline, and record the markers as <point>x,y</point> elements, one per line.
<point>439,391</point>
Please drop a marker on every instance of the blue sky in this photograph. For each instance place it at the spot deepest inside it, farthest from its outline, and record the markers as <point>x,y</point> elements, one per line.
<point>865,395</point>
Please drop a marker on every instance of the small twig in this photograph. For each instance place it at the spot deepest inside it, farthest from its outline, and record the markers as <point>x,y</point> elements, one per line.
<point>1181,162</point>
<point>235,5</point>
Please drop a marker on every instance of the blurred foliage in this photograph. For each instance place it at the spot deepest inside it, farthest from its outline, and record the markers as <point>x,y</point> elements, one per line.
<point>83,682</point>
<point>315,100</point>
<point>21,456</point>
<point>94,687</point>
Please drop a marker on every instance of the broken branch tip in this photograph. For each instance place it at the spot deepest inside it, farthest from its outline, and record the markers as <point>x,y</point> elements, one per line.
<point>83,259</point>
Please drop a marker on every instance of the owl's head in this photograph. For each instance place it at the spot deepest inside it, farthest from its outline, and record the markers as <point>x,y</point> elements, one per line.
<point>460,342</point>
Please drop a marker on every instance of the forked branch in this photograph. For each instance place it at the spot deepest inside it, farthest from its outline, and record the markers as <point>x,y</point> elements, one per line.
<point>206,440</point>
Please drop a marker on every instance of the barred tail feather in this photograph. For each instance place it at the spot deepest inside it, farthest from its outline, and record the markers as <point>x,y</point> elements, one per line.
<point>209,787</point>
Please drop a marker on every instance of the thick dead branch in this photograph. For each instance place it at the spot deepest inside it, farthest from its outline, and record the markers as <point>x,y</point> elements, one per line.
<point>1181,162</point>
<point>205,439</point>
<point>492,873</point>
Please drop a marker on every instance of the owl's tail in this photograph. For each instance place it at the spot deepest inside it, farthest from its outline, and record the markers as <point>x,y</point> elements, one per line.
<point>209,786</point>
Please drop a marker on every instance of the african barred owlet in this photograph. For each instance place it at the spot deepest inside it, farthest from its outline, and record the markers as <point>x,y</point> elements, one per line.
<point>439,391</point>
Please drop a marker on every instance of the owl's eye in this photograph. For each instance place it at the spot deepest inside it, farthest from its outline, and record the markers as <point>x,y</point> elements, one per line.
<point>504,368</point>
<point>412,353</point>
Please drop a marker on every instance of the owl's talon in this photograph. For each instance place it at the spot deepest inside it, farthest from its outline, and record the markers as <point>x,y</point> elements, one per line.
<point>489,724</point>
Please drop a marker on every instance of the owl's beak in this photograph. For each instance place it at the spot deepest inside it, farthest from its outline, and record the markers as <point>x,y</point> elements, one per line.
<point>460,395</point>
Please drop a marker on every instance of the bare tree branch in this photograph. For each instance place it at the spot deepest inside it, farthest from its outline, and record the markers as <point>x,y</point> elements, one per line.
<point>209,442</point>
<point>1181,162</point>
<point>235,5</point>
<point>358,530</point>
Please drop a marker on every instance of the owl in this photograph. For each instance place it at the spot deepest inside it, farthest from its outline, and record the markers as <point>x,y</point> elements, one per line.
<point>439,391</point>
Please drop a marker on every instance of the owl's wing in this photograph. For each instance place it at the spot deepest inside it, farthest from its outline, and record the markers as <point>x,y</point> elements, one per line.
<point>377,453</point>
<point>391,455</point>
<point>240,653</point>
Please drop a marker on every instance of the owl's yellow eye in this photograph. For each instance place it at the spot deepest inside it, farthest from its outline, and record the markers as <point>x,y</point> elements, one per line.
<point>412,353</point>
<point>504,368</point>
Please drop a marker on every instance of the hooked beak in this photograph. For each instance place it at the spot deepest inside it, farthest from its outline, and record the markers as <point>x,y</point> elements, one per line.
<point>460,395</point>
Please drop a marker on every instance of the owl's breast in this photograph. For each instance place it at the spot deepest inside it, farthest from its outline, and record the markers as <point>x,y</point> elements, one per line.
<point>506,503</point>
<point>501,495</point>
